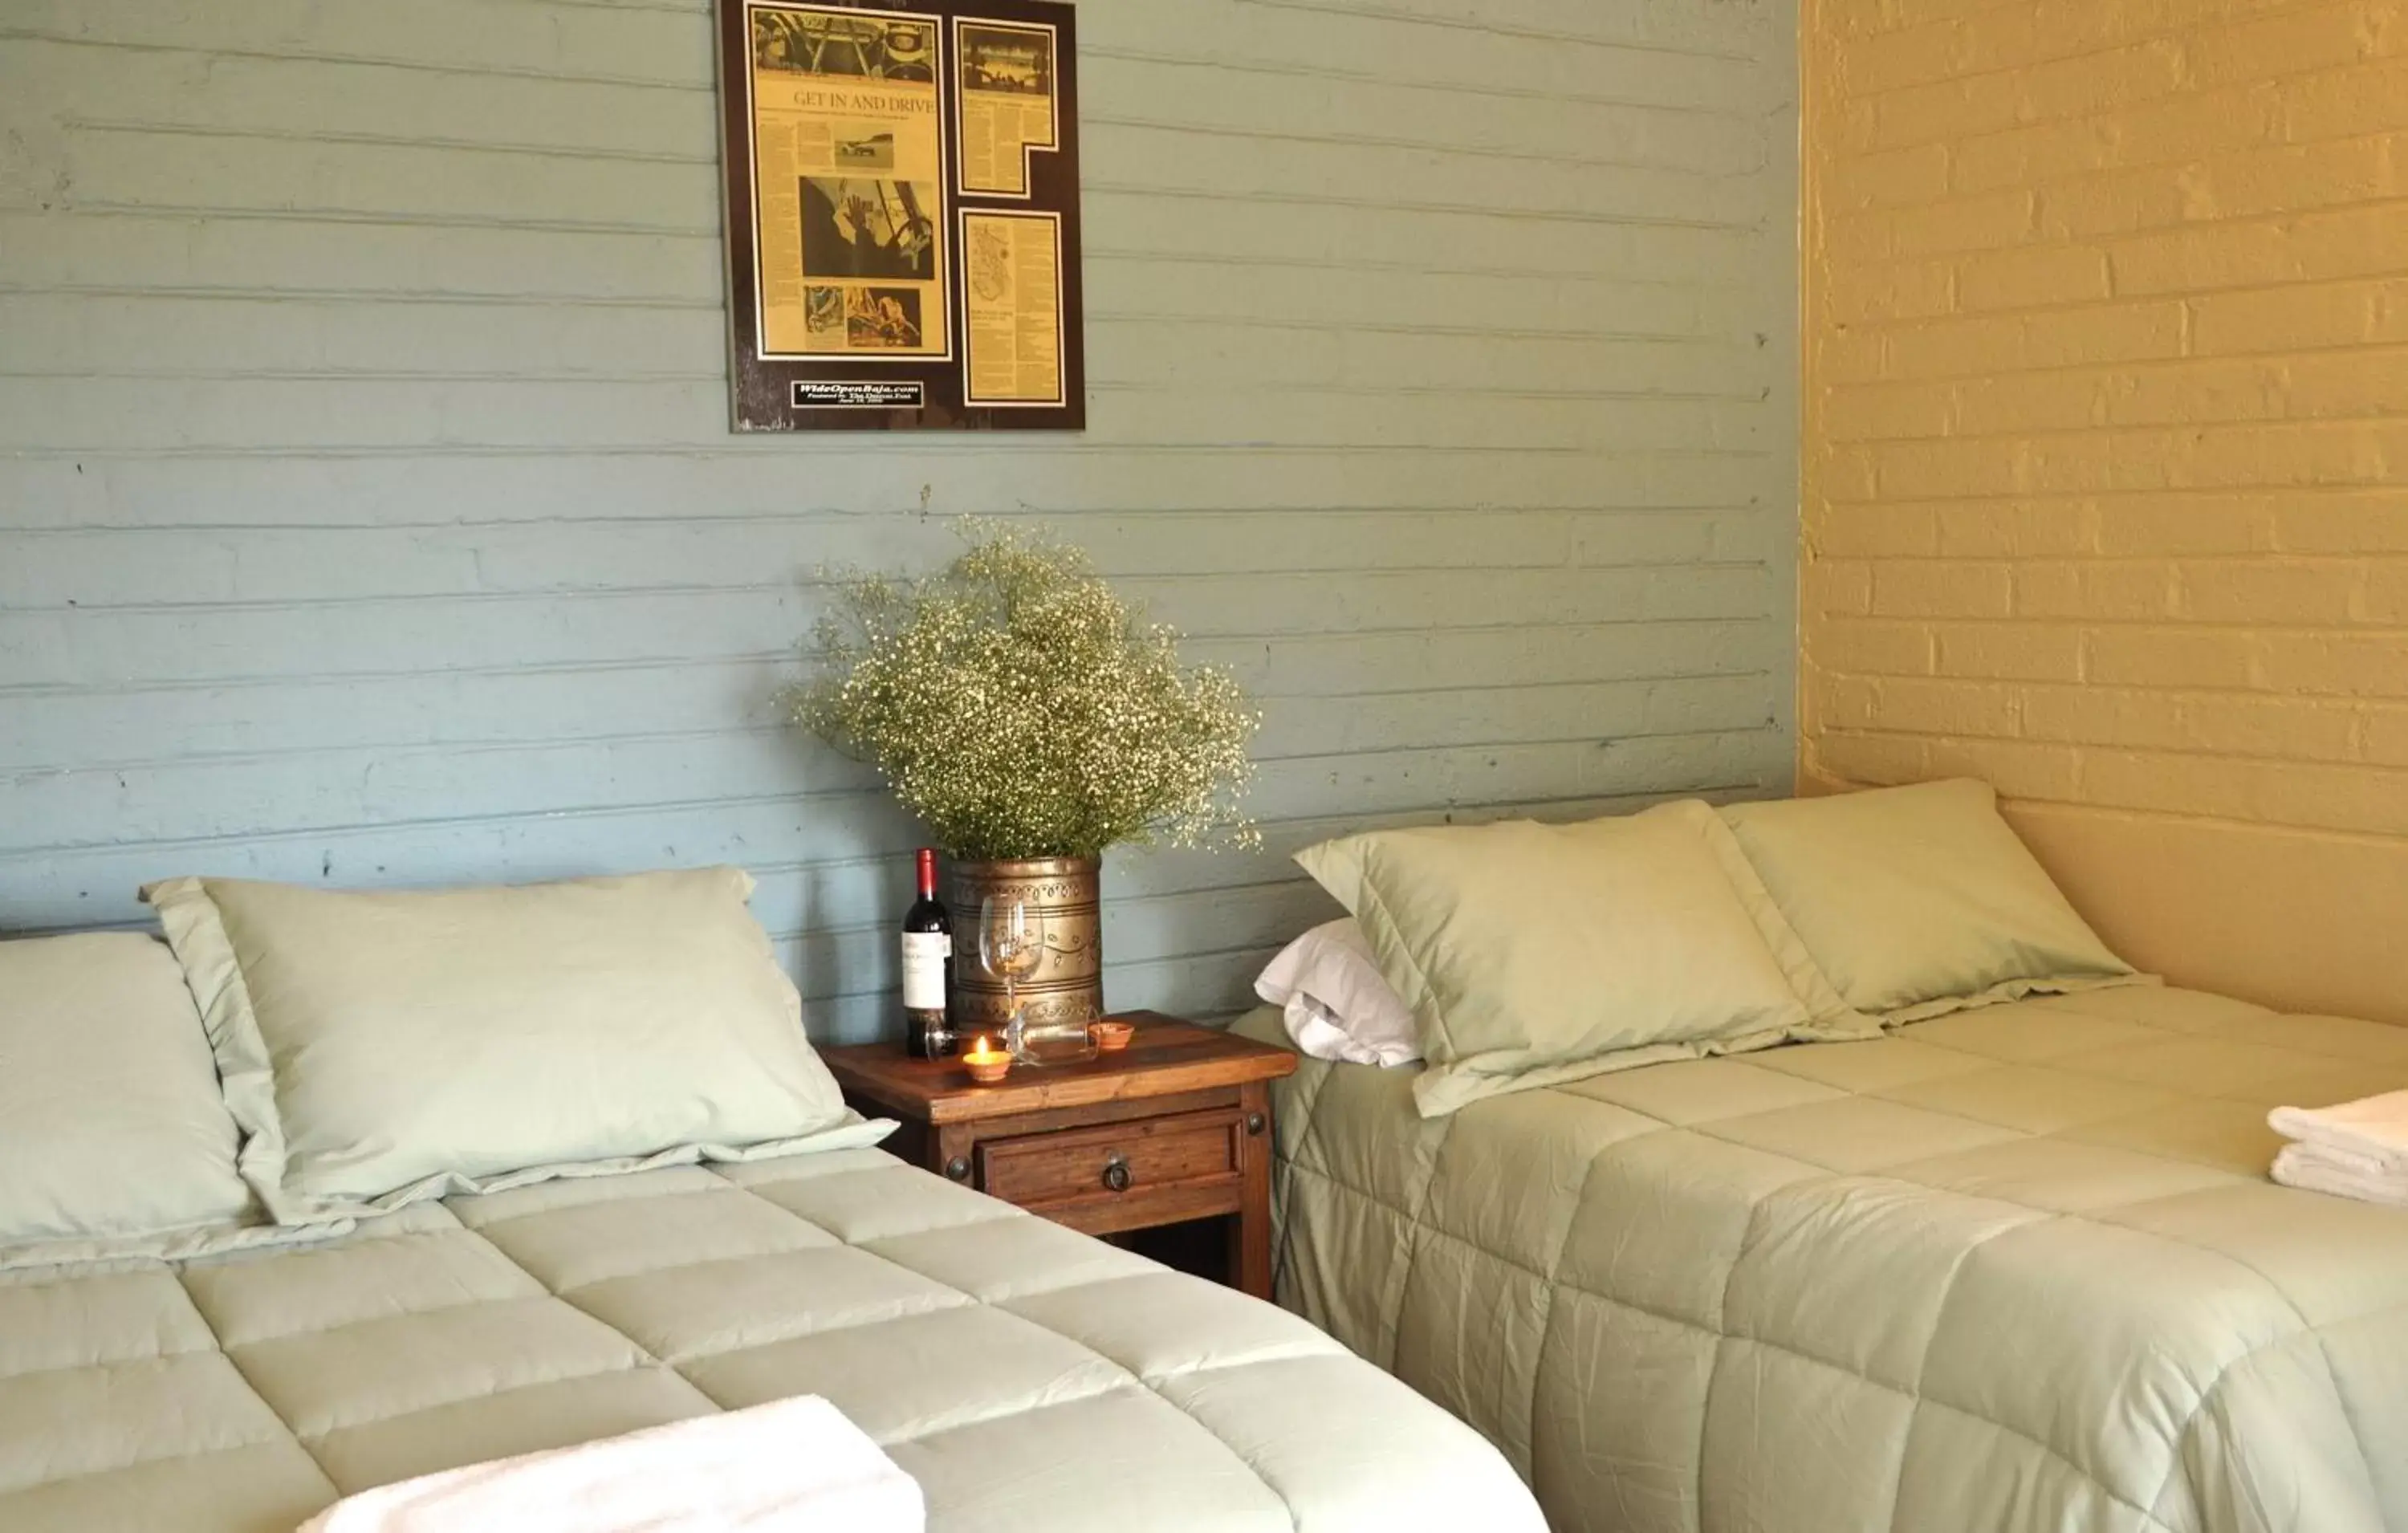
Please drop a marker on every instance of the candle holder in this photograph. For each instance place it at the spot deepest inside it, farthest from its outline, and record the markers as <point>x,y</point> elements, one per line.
<point>1111,1037</point>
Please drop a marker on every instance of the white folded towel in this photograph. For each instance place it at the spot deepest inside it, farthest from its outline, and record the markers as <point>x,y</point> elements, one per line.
<point>790,1464</point>
<point>2321,1168</point>
<point>2355,1150</point>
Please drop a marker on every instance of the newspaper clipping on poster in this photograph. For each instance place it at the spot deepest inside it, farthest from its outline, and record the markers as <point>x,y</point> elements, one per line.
<point>848,184</point>
<point>1013,308</point>
<point>1006,103</point>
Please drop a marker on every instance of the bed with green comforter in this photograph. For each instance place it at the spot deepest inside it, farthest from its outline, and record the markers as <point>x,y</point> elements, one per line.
<point>2015,1268</point>
<point>1030,1379</point>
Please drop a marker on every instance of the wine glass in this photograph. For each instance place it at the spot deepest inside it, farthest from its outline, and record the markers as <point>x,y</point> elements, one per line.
<point>1011,947</point>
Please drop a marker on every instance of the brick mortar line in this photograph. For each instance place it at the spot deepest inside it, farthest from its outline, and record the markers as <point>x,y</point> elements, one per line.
<point>2167,169</point>
<point>2240,758</point>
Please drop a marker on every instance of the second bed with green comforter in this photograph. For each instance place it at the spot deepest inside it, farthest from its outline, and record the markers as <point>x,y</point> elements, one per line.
<point>2018,1266</point>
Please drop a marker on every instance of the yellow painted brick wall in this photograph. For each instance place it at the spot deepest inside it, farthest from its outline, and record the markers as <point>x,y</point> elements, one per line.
<point>2106,455</point>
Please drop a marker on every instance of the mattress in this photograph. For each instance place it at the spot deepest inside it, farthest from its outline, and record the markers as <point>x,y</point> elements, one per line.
<point>2015,1268</point>
<point>1026,1376</point>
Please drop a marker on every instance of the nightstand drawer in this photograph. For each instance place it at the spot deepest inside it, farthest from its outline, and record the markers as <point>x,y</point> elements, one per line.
<point>1192,1155</point>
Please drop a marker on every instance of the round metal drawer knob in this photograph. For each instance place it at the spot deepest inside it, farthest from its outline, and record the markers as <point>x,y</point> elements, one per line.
<point>958,1168</point>
<point>1116,1174</point>
<point>1255,1124</point>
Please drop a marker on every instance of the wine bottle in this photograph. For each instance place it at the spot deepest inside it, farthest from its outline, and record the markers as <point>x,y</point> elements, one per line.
<point>927,968</point>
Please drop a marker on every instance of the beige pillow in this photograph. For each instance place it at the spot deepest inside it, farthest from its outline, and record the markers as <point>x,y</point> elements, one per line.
<point>1917,901</point>
<point>382,1048</point>
<point>113,1138</point>
<point>1533,955</point>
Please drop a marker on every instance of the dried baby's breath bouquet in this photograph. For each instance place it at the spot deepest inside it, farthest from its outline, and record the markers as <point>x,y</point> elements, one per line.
<point>1022,710</point>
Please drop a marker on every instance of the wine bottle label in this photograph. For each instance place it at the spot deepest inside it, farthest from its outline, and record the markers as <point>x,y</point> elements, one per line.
<point>924,969</point>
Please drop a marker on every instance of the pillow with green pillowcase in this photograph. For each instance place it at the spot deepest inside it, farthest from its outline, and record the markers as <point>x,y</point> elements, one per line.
<point>1534,955</point>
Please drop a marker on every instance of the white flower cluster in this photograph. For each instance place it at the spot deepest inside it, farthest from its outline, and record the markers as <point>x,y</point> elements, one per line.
<point>1022,710</point>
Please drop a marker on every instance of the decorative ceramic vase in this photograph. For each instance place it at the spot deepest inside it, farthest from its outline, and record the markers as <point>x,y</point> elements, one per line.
<point>1066,991</point>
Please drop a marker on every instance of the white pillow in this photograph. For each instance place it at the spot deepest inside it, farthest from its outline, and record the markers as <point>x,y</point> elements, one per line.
<point>1335,1002</point>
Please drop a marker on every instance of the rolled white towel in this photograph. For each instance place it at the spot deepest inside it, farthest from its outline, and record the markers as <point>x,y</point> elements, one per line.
<point>2374,1129</point>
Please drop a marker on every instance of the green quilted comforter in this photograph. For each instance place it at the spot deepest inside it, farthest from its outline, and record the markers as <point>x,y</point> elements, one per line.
<point>2018,1268</point>
<point>1030,1379</point>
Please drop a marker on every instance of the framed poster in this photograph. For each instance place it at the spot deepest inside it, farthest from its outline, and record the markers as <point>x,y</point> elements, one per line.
<point>902,215</point>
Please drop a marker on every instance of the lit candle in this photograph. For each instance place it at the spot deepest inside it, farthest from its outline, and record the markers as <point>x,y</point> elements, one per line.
<point>985,1062</point>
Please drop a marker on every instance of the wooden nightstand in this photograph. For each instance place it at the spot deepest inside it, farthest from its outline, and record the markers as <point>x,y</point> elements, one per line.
<point>1177,1126</point>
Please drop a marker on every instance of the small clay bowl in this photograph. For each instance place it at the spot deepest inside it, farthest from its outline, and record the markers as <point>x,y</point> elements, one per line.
<point>987,1070</point>
<point>1108,1036</point>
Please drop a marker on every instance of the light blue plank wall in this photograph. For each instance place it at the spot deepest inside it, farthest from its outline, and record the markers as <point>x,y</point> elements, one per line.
<point>367,513</point>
